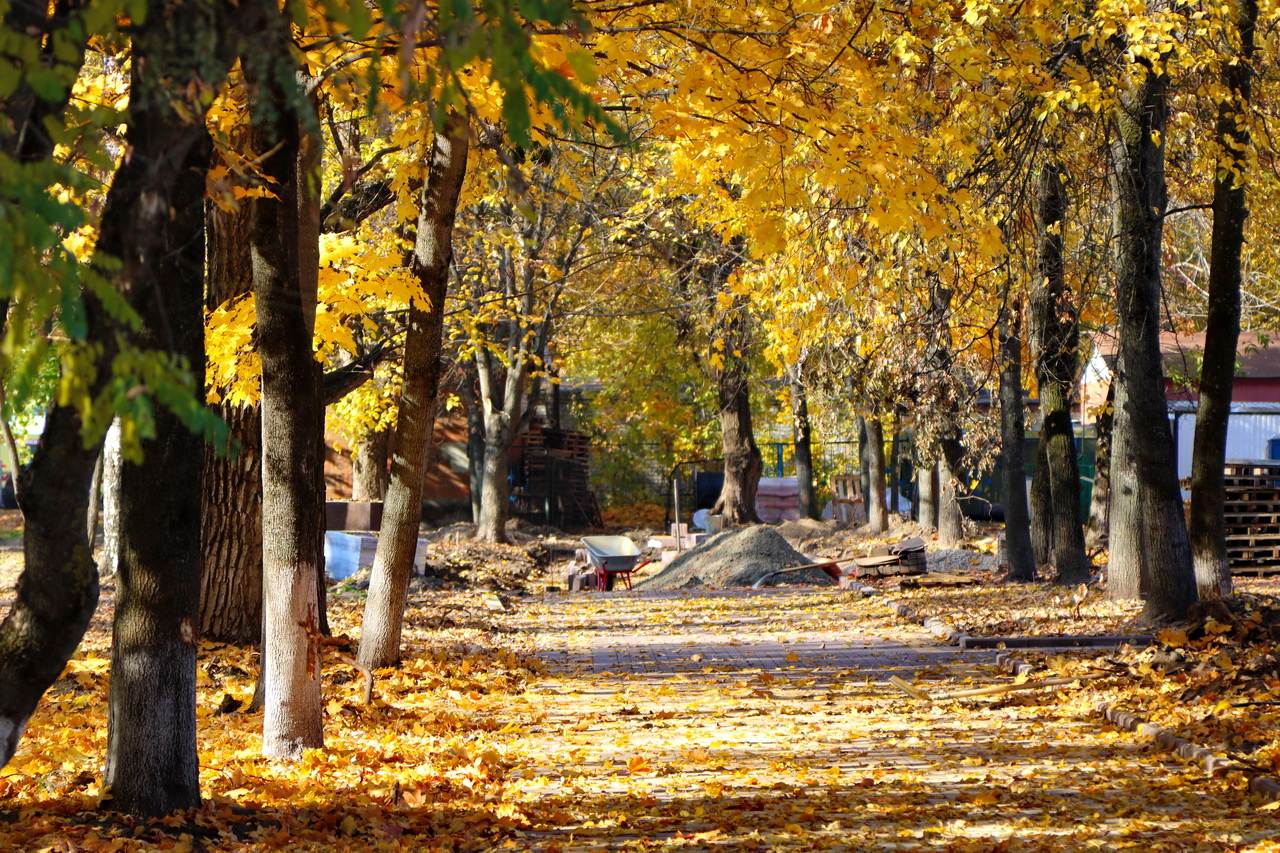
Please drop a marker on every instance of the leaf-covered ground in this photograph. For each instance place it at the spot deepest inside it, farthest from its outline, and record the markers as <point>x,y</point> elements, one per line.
<point>724,721</point>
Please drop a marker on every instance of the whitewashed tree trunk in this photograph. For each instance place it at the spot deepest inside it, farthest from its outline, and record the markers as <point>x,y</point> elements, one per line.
<point>111,463</point>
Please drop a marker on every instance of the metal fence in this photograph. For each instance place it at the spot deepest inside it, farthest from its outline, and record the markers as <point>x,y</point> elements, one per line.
<point>644,473</point>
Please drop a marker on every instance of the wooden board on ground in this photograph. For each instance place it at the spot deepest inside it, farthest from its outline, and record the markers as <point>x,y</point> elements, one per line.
<point>933,579</point>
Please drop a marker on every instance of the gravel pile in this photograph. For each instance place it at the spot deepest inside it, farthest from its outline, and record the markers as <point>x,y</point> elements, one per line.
<point>737,558</point>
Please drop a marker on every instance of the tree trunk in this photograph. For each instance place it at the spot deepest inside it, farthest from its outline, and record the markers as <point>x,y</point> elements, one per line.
<point>112,463</point>
<point>369,473</point>
<point>307,169</point>
<point>803,434</point>
<point>231,535</point>
<point>1041,504</point>
<point>742,461</point>
<point>475,440</point>
<point>402,511</point>
<point>1100,497</point>
<point>494,488</point>
<point>95,504</point>
<point>877,509</point>
<point>58,588</point>
<point>1055,336</point>
<point>950,518</point>
<point>927,493</point>
<point>1017,524</point>
<point>152,767</point>
<point>292,458</point>
<point>1127,576</point>
<point>1208,531</point>
<point>864,460</point>
<point>1138,184</point>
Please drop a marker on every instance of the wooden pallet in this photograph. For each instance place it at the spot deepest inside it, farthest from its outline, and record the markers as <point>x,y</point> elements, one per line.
<point>1252,514</point>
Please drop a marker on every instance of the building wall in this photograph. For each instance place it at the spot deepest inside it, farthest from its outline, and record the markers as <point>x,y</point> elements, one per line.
<point>1247,436</point>
<point>447,479</point>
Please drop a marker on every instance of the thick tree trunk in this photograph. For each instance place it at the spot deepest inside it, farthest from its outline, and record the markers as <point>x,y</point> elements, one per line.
<point>310,158</point>
<point>1208,531</point>
<point>231,535</point>
<point>112,464</point>
<point>1100,497</point>
<point>1017,524</point>
<point>58,588</point>
<point>742,461</point>
<point>292,458</point>
<point>1137,154</point>
<point>369,473</point>
<point>494,488</point>
<point>877,509</point>
<point>1055,336</point>
<point>803,433</point>
<point>950,518</point>
<point>402,511</point>
<point>152,767</point>
<point>1127,575</point>
<point>927,492</point>
<point>1041,504</point>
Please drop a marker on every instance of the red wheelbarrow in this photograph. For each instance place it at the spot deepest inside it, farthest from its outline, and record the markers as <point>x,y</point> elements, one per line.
<point>611,556</point>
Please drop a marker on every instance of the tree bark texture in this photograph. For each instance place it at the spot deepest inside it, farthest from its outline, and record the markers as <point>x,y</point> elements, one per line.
<point>112,464</point>
<point>292,458</point>
<point>58,588</point>
<point>743,464</point>
<point>495,490</point>
<point>1100,497</point>
<point>1208,528</point>
<point>475,439</point>
<point>369,473</point>
<point>1055,338</point>
<point>152,767</point>
<point>402,510</point>
<point>802,431</point>
<point>231,536</point>
<point>1041,505</point>
<point>1127,578</point>
<point>1017,524</point>
<point>1155,502</point>
<point>950,518</point>
<point>927,493</point>
<point>877,508</point>
<point>95,504</point>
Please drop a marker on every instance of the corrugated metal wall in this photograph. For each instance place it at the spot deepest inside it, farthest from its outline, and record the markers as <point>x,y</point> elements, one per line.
<point>1247,436</point>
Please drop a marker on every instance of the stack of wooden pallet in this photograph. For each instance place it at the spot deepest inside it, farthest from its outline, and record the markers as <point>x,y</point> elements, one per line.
<point>1252,511</point>
<point>555,483</point>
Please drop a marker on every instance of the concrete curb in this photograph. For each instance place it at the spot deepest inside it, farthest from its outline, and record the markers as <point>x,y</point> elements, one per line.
<point>1266,787</point>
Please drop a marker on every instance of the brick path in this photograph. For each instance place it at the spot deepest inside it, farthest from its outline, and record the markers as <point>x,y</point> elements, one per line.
<point>761,721</point>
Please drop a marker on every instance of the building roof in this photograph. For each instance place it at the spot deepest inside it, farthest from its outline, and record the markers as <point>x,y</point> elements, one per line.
<point>1257,354</point>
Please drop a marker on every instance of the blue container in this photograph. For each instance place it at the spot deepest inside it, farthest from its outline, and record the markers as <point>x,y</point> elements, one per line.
<point>347,553</point>
<point>1273,448</point>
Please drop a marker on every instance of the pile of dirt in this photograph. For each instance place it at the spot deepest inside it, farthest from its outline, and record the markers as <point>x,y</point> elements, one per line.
<point>737,558</point>
<point>961,560</point>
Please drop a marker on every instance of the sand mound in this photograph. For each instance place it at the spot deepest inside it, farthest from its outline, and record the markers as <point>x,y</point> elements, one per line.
<point>737,558</point>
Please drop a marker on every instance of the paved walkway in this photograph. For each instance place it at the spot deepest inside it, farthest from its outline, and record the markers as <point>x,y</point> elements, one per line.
<point>754,721</point>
